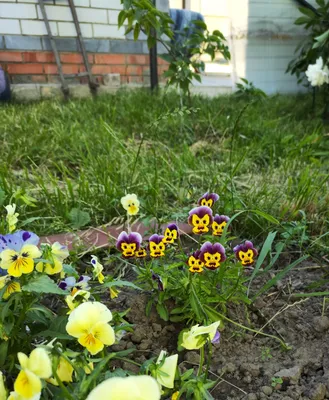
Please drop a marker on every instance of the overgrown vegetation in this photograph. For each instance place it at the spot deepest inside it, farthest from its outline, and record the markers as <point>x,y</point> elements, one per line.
<point>68,163</point>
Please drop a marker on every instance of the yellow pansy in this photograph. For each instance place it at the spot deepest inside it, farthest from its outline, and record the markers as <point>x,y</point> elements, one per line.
<point>89,324</point>
<point>175,396</point>
<point>56,256</point>
<point>130,203</point>
<point>38,365</point>
<point>114,293</point>
<point>141,387</point>
<point>64,372</point>
<point>19,262</point>
<point>3,392</point>
<point>11,217</point>
<point>73,301</point>
<point>197,336</point>
<point>165,375</point>
<point>98,268</point>
<point>11,286</point>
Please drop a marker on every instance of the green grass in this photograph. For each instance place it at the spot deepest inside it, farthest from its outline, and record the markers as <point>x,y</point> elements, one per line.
<point>270,155</point>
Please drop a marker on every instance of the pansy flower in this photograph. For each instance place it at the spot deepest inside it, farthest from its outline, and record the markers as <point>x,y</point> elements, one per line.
<point>76,298</point>
<point>11,286</point>
<point>194,262</point>
<point>212,255</point>
<point>18,257</point>
<point>141,253</point>
<point>156,246</point>
<point>245,253</point>
<point>128,244</point>
<point>200,218</point>
<point>98,268</point>
<point>12,217</point>
<point>130,203</point>
<point>219,224</point>
<point>170,234</point>
<point>70,283</point>
<point>158,280</point>
<point>55,254</point>
<point>208,199</point>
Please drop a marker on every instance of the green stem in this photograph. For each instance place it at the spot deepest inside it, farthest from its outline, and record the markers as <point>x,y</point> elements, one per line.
<point>66,393</point>
<point>201,360</point>
<point>209,355</point>
<point>127,360</point>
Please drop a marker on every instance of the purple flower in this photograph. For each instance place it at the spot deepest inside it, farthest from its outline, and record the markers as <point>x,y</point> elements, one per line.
<point>219,224</point>
<point>156,246</point>
<point>200,218</point>
<point>157,278</point>
<point>212,255</point>
<point>194,262</point>
<point>170,234</point>
<point>15,241</point>
<point>216,338</point>
<point>208,199</point>
<point>128,244</point>
<point>246,253</point>
<point>70,283</point>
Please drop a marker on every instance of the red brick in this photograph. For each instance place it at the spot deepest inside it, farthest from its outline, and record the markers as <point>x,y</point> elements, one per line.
<point>119,69</point>
<point>25,69</point>
<point>110,59</point>
<point>101,69</point>
<point>14,56</point>
<point>42,57</point>
<point>39,78</point>
<point>161,61</point>
<point>75,58</point>
<point>138,59</point>
<point>70,69</point>
<point>124,79</point>
<point>146,71</point>
<point>135,79</point>
<point>134,70</point>
<point>51,69</point>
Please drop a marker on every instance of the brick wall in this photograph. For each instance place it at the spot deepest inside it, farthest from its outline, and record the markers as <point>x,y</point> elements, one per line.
<point>25,50</point>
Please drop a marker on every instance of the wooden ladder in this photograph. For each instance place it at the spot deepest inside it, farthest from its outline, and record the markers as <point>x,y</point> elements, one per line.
<point>92,83</point>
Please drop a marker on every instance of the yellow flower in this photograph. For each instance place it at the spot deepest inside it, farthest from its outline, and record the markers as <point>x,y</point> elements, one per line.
<point>175,396</point>
<point>130,203</point>
<point>11,286</point>
<point>133,388</point>
<point>73,302</point>
<point>3,392</point>
<point>16,396</point>
<point>19,262</point>
<point>197,336</point>
<point>89,324</point>
<point>114,293</point>
<point>56,257</point>
<point>38,365</point>
<point>64,372</point>
<point>11,217</point>
<point>98,268</point>
<point>165,375</point>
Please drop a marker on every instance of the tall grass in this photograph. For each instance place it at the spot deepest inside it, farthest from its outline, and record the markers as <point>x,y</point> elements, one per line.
<point>87,154</point>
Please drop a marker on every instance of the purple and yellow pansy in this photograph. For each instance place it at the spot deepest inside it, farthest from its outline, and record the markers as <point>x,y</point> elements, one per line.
<point>170,234</point>
<point>200,218</point>
<point>208,199</point>
<point>246,253</point>
<point>219,224</point>
<point>128,244</point>
<point>194,262</point>
<point>156,246</point>
<point>141,253</point>
<point>158,280</point>
<point>212,255</point>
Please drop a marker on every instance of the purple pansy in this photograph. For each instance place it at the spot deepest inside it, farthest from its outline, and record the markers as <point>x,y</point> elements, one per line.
<point>218,224</point>
<point>128,244</point>
<point>246,253</point>
<point>170,234</point>
<point>157,278</point>
<point>216,338</point>
<point>15,241</point>
<point>212,255</point>
<point>156,246</point>
<point>208,199</point>
<point>194,262</point>
<point>200,218</point>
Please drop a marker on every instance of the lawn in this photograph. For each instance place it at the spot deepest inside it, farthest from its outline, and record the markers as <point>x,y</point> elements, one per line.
<point>268,155</point>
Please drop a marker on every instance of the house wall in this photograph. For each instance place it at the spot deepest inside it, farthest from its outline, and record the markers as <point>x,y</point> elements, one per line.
<point>25,50</point>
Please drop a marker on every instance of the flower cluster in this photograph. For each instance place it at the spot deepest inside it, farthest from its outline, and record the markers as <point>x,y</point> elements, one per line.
<point>318,73</point>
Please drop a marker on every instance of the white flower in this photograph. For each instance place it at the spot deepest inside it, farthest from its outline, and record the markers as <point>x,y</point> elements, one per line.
<point>317,74</point>
<point>166,373</point>
<point>11,217</point>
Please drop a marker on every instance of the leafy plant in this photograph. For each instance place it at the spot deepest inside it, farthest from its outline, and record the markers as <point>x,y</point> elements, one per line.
<point>248,89</point>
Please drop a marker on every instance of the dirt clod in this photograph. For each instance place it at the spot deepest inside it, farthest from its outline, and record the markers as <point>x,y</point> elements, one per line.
<point>267,390</point>
<point>292,374</point>
<point>321,324</point>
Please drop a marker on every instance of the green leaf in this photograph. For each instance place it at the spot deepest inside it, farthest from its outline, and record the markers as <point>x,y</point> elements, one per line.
<point>162,311</point>
<point>43,284</point>
<point>122,17</point>
<point>70,270</point>
<point>302,21</point>
<point>2,196</point>
<point>120,284</point>
<point>269,217</point>
<point>3,352</point>
<point>148,307</point>
<point>78,218</point>
<point>322,37</point>
<point>307,11</point>
<point>137,30</point>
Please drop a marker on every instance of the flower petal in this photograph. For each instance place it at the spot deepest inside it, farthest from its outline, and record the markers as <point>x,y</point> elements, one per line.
<point>27,384</point>
<point>39,363</point>
<point>104,332</point>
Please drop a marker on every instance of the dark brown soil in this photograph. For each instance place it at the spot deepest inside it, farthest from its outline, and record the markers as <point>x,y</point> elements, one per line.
<point>251,362</point>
